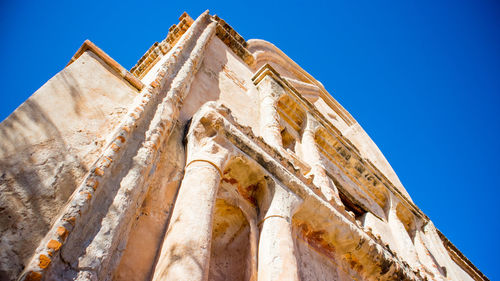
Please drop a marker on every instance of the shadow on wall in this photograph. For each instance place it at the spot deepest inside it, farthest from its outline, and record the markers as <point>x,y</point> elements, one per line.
<point>37,176</point>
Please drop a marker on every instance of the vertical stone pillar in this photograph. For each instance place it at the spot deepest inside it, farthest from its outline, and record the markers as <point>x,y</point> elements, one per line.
<point>405,245</point>
<point>429,263</point>
<point>185,253</point>
<point>312,157</point>
<point>276,245</point>
<point>270,91</point>
<point>251,216</point>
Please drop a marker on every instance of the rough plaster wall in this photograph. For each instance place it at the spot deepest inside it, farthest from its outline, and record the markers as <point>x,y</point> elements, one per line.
<point>225,77</point>
<point>148,230</point>
<point>316,267</point>
<point>47,146</point>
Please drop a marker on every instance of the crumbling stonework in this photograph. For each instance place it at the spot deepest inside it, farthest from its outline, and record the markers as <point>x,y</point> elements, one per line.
<point>214,158</point>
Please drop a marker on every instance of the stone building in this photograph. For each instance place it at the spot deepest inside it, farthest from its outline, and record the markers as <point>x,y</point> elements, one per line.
<point>214,158</point>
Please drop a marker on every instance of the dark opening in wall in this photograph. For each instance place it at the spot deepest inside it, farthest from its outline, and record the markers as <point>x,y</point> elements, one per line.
<point>408,220</point>
<point>351,206</point>
<point>288,140</point>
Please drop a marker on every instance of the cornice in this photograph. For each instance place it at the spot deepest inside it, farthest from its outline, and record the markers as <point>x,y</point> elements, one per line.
<point>120,70</point>
<point>224,32</point>
<point>233,40</point>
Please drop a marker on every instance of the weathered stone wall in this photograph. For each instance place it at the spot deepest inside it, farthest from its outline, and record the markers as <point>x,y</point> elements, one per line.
<point>315,266</point>
<point>225,161</point>
<point>48,145</point>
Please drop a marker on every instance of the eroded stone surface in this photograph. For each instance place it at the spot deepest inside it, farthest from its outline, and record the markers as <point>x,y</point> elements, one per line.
<point>221,159</point>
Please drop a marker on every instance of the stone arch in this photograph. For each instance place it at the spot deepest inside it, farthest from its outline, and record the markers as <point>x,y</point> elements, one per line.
<point>235,232</point>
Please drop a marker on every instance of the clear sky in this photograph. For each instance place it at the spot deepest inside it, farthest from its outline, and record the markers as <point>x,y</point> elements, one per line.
<point>421,77</point>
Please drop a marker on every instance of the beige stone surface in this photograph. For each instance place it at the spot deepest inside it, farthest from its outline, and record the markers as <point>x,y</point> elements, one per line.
<point>222,159</point>
<point>47,145</point>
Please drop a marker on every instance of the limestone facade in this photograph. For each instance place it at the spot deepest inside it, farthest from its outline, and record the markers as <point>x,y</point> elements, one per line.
<point>214,158</point>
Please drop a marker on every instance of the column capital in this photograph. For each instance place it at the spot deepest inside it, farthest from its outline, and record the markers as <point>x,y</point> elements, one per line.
<point>270,87</point>
<point>312,124</point>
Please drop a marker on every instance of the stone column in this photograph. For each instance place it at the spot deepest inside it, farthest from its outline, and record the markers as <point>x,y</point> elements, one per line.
<point>270,91</point>
<point>405,245</point>
<point>312,156</point>
<point>276,245</point>
<point>429,262</point>
<point>185,253</point>
<point>250,214</point>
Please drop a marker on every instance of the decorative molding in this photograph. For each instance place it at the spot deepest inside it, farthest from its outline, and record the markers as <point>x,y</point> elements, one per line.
<point>233,40</point>
<point>224,32</point>
<point>158,50</point>
<point>340,149</point>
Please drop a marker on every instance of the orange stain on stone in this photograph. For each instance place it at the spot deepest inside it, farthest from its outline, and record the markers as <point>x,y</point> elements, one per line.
<point>71,220</point>
<point>54,245</point>
<point>93,183</point>
<point>106,161</point>
<point>44,261</point>
<point>98,171</point>
<point>89,195</point>
<point>115,147</point>
<point>33,276</point>
<point>154,84</point>
<point>230,180</point>
<point>62,232</point>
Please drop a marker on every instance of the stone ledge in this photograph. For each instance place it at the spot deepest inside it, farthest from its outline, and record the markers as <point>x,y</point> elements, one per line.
<point>89,46</point>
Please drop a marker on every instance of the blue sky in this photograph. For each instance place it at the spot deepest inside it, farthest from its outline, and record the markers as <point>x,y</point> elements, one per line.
<point>421,77</point>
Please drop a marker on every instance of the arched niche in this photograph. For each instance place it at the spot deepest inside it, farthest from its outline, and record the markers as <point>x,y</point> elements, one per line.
<point>230,257</point>
<point>235,232</point>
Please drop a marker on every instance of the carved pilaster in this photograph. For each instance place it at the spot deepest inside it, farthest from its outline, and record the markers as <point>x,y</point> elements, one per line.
<point>400,234</point>
<point>185,253</point>
<point>276,245</point>
<point>270,91</point>
<point>312,156</point>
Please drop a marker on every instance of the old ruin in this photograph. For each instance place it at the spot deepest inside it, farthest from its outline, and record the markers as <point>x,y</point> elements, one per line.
<point>214,158</point>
